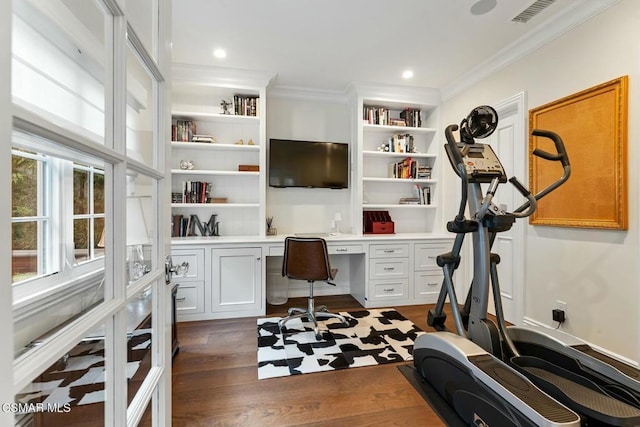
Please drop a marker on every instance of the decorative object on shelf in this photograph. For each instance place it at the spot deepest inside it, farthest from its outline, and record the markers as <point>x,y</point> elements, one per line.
<point>239,142</point>
<point>271,230</point>
<point>183,226</point>
<point>224,104</point>
<point>337,219</point>
<point>186,164</point>
<point>251,142</point>
<point>377,222</point>
<point>249,168</point>
<point>218,200</point>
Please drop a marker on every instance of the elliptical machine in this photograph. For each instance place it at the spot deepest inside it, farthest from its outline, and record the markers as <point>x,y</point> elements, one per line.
<point>479,371</point>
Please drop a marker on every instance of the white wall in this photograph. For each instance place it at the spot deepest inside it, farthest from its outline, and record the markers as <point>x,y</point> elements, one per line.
<point>595,271</point>
<point>308,210</point>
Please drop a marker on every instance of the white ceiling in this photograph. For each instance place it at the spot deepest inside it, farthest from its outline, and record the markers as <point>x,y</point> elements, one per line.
<point>325,45</point>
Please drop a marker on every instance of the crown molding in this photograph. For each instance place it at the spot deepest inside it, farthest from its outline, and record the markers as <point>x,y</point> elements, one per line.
<point>574,15</point>
<point>307,94</point>
<point>220,76</point>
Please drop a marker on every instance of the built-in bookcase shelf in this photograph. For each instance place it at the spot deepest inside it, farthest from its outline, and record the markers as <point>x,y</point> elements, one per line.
<point>378,152</point>
<point>237,141</point>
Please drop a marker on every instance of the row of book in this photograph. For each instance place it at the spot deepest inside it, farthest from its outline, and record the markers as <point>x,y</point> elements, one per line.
<point>400,143</point>
<point>412,117</point>
<point>193,192</point>
<point>422,196</point>
<point>246,105</point>
<point>376,115</point>
<point>183,130</point>
<point>409,168</point>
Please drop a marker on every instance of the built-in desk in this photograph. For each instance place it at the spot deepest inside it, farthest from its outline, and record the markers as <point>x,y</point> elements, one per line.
<point>228,277</point>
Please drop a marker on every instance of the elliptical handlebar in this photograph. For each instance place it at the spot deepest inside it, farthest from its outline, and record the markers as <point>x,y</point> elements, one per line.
<point>560,148</point>
<point>561,156</point>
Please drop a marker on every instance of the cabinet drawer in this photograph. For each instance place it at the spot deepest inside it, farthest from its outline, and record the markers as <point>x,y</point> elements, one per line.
<point>388,268</point>
<point>189,299</point>
<point>334,249</point>
<point>389,250</point>
<point>427,285</point>
<point>389,288</point>
<point>195,259</point>
<point>344,249</point>
<point>425,255</point>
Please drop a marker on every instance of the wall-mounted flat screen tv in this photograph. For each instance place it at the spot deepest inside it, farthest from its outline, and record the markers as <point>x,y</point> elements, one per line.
<point>308,164</point>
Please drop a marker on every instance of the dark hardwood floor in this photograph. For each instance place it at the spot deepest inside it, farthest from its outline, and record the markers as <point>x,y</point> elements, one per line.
<point>215,381</point>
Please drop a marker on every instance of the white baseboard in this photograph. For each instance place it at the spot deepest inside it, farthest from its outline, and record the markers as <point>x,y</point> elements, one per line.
<point>631,362</point>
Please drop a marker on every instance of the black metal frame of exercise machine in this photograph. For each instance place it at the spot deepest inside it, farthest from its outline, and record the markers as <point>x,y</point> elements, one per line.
<point>483,355</point>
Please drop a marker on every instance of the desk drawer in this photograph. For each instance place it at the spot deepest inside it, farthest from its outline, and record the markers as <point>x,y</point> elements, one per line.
<point>195,258</point>
<point>427,285</point>
<point>344,249</point>
<point>383,289</point>
<point>388,268</point>
<point>333,249</point>
<point>190,299</point>
<point>425,254</point>
<point>399,250</point>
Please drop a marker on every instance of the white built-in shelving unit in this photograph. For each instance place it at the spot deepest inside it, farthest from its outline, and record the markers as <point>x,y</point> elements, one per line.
<point>197,94</point>
<point>375,189</point>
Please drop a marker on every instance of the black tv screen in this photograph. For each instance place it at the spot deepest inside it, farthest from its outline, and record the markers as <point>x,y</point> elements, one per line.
<point>308,164</point>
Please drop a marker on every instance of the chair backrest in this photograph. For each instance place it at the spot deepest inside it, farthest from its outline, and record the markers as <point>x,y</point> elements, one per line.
<point>306,258</point>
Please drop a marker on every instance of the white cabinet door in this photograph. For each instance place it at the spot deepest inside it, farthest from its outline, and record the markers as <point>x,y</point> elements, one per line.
<point>236,281</point>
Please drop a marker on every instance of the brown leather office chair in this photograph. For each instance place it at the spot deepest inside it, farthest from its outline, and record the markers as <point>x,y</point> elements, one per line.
<point>307,258</point>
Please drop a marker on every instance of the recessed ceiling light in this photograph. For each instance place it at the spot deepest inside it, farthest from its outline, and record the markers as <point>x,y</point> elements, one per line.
<point>407,74</point>
<point>220,53</point>
<point>483,6</point>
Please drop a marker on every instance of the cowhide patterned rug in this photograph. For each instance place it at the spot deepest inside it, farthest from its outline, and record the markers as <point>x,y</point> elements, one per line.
<point>373,337</point>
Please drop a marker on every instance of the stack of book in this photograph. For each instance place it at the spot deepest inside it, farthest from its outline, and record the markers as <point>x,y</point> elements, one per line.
<point>202,138</point>
<point>422,196</point>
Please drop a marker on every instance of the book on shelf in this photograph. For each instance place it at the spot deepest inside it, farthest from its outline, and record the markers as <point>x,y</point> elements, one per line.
<point>196,192</point>
<point>203,138</point>
<point>423,172</point>
<point>412,117</point>
<point>183,130</point>
<point>423,194</point>
<point>404,169</point>
<point>400,143</point>
<point>246,105</point>
<point>410,201</point>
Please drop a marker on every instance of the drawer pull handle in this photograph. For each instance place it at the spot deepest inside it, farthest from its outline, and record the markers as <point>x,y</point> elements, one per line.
<point>432,257</point>
<point>389,268</point>
<point>341,249</point>
<point>389,251</point>
<point>181,299</point>
<point>389,290</point>
<point>432,284</point>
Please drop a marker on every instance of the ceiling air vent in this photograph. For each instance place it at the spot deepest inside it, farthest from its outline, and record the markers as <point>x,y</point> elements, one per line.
<point>535,8</point>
